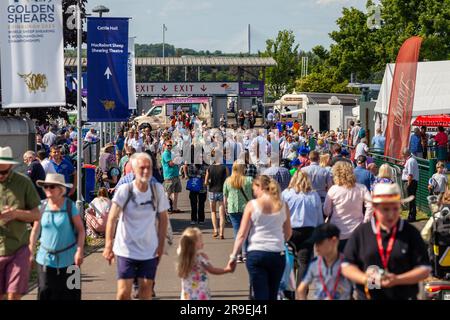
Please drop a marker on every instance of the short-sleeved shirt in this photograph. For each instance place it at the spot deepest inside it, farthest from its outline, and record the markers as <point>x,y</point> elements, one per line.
<point>411,168</point>
<point>48,166</point>
<point>329,274</point>
<point>441,182</point>
<point>57,233</point>
<point>168,171</point>
<point>136,236</point>
<point>17,191</point>
<point>235,199</point>
<point>364,176</point>
<point>409,251</point>
<point>65,168</point>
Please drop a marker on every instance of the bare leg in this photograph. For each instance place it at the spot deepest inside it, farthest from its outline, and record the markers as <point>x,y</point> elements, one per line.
<point>175,201</point>
<point>124,289</point>
<point>222,219</point>
<point>145,289</point>
<point>213,216</point>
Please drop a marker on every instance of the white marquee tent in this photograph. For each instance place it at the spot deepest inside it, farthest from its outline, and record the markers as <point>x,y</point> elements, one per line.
<point>432,94</point>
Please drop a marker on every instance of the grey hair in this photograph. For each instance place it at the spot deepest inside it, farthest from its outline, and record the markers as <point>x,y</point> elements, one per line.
<point>140,156</point>
<point>30,154</point>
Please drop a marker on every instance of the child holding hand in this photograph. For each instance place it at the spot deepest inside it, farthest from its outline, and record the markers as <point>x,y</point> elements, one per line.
<point>193,266</point>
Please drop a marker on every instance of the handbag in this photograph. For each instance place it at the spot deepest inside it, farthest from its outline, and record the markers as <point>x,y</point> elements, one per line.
<point>194,184</point>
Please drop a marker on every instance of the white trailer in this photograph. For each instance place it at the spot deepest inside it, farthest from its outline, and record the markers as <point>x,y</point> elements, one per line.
<point>326,117</point>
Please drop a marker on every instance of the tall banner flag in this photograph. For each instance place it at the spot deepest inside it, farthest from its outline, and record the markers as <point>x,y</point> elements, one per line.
<point>131,76</point>
<point>107,57</point>
<point>402,98</point>
<point>32,53</point>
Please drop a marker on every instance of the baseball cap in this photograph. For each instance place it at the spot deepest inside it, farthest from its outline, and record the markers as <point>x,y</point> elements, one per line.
<point>324,231</point>
<point>345,153</point>
<point>296,162</point>
<point>303,150</point>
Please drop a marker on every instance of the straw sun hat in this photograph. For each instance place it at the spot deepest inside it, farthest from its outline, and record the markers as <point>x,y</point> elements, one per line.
<point>6,156</point>
<point>54,179</point>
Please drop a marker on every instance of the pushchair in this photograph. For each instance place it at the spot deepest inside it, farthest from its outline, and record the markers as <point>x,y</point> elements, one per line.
<point>288,284</point>
<point>437,233</point>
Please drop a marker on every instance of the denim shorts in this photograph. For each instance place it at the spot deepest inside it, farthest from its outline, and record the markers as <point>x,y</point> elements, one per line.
<point>131,269</point>
<point>215,196</point>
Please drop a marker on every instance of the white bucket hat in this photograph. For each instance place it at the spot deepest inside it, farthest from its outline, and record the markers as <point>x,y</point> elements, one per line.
<point>6,156</point>
<point>55,179</point>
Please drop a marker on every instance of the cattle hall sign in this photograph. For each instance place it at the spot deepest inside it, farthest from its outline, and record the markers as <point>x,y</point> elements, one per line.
<point>187,88</point>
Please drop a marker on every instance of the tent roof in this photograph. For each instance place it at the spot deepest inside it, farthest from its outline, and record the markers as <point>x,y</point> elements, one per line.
<point>432,121</point>
<point>432,95</point>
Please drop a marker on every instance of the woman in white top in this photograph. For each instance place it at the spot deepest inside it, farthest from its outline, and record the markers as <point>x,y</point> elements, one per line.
<point>266,224</point>
<point>345,201</point>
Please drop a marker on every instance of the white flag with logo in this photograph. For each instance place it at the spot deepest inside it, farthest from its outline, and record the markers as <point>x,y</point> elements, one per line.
<point>32,53</point>
<point>131,76</point>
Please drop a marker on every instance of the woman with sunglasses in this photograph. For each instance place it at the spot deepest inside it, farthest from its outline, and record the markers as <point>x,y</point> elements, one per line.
<point>386,258</point>
<point>61,235</point>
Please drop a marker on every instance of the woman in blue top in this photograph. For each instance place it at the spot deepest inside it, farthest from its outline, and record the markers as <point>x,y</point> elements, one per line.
<point>306,214</point>
<point>61,243</point>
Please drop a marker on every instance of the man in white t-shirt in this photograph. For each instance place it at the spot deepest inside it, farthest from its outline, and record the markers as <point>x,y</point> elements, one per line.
<point>141,230</point>
<point>362,148</point>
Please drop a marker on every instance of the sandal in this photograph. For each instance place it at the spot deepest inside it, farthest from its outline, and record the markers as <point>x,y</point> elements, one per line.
<point>215,235</point>
<point>222,237</point>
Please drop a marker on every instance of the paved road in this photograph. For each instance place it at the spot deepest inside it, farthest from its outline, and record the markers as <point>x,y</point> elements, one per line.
<point>99,279</point>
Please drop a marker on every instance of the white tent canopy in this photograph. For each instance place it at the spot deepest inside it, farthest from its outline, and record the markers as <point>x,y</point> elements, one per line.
<point>432,95</point>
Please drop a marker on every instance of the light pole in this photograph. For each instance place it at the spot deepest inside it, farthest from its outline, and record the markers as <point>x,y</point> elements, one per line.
<point>79,203</point>
<point>100,10</point>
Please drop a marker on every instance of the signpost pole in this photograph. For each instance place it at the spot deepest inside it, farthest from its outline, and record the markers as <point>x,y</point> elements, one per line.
<point>79,202</point>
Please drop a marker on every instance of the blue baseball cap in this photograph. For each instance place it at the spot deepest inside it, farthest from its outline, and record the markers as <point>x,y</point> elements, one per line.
<point>345,153</point>
<point>296,162</point>
<point>303,150</point>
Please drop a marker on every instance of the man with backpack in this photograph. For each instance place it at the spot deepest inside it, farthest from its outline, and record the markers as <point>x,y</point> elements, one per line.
<point>139,210</point>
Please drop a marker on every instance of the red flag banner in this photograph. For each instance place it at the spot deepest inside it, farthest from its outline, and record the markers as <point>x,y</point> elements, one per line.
<point>402,98</point>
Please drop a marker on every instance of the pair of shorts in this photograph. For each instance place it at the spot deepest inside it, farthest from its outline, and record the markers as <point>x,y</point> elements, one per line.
<point>172,185</point>
<point>131,269</point>
<point>15,272</point>
<point>215,196</point>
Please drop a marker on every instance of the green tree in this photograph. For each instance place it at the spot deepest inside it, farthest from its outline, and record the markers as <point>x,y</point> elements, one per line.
<point>281,79</point>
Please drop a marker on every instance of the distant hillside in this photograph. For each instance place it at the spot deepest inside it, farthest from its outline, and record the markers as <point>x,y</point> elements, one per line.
<point>155,50</point>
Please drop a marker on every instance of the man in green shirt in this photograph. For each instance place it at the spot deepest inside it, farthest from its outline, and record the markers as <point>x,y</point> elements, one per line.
<point>19,206</point>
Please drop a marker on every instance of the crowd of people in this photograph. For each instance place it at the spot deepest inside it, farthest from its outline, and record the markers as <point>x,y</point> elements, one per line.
<point>320,192</point>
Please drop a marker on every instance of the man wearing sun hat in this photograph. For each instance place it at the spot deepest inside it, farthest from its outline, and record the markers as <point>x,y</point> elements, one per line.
<point>386,257</point>
<point>19,203</point>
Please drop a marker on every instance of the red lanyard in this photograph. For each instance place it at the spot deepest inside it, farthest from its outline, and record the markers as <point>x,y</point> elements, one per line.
<point>385,254</point>
<point>322,281</point>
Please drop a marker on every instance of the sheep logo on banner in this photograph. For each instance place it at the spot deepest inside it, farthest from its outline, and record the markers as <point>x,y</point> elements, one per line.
<point>34,81</point>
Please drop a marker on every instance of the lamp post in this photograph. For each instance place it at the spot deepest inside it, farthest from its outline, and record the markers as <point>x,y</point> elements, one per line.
<point>79,203</point>
<point>100,10</point>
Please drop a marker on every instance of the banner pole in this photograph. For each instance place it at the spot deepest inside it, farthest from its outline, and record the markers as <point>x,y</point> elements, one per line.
<point>79,202</point>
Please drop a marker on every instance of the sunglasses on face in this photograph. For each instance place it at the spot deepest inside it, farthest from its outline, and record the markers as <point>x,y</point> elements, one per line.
<point>4,172</point>
<point>51,187</point>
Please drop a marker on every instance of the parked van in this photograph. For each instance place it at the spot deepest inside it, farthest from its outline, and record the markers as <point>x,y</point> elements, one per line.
<point>163,108</point>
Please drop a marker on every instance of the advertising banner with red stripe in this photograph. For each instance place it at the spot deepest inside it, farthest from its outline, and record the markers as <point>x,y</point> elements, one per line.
<point>402,98</point>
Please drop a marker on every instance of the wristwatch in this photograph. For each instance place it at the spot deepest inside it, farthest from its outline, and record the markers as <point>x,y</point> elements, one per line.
<point>233,257</point>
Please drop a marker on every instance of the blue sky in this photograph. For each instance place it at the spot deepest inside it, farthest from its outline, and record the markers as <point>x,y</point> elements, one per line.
<point>222,25</point>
